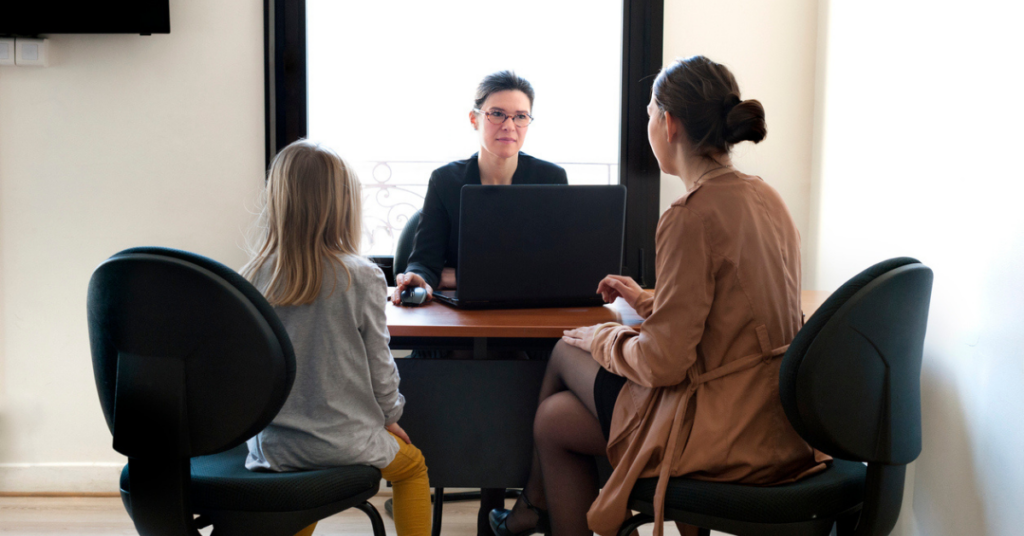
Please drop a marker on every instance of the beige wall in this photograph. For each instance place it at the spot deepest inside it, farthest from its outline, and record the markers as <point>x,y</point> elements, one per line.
<point>919,125</point>
<point>125,141</point>
<point>770,47</point>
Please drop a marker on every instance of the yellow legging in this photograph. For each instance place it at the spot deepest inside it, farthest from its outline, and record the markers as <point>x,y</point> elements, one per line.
<point>410,488</point>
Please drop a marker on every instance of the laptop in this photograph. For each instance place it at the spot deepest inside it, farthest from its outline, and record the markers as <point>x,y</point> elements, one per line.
<point>536,245</point>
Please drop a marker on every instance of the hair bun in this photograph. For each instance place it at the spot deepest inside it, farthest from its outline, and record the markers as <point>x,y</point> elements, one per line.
<point>728,103</point>
<point>704,97</point>
<point>745,121</point>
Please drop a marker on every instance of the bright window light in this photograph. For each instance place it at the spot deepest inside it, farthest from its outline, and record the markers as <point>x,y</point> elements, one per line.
<point>391,85</point>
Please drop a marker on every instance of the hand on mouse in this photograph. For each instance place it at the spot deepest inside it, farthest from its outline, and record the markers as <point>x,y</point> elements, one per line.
<point>409,280</point>
<point>614,286</point>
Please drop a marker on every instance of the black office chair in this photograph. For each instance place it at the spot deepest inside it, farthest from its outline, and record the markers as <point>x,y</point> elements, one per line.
<point>850,385</point>
<point>190,361</point>
<point>403,248</point>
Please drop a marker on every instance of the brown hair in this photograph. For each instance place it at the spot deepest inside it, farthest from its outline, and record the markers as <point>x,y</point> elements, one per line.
<point>704,96</point>
<point>311,217</point>
<point>502,81</point>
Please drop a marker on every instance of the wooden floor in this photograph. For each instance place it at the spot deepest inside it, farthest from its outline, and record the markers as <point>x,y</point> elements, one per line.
<point>39,516</point>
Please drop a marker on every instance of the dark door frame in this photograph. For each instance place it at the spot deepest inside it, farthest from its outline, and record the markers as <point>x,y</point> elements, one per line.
<point>287,108</point>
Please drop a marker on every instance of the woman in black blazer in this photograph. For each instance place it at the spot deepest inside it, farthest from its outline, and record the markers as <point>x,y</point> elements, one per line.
<point>501,117</point>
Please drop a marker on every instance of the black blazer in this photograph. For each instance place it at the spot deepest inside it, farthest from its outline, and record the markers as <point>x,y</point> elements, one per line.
<point>436,244</point>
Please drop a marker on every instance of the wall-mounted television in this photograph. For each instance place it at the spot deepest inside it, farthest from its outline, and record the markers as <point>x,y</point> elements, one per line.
<point>30,18</point>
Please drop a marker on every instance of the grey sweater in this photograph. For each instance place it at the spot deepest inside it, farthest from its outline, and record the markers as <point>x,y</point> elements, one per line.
<point>346,382</point>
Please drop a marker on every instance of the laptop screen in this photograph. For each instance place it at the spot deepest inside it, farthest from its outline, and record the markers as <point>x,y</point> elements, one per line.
<point>538,242</point>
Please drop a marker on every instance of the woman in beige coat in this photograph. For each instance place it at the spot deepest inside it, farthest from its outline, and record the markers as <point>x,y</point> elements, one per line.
<point>694,390</point>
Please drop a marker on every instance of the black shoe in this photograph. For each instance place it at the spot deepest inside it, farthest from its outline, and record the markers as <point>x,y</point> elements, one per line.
<point>499,518</point>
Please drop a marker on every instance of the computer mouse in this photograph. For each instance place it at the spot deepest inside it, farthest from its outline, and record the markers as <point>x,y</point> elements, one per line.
<point>413,295</point>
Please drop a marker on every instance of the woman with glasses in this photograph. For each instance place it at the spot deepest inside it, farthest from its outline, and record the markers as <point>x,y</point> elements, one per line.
<point>501,116</point>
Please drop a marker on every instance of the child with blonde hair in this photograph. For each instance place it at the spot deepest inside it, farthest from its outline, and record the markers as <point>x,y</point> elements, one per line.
<point>344,406</point>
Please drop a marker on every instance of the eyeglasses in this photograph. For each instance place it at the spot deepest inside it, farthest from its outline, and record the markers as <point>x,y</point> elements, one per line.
<point>498,117</point>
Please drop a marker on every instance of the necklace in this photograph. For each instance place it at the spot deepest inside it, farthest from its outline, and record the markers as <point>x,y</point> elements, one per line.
<point>697,182</point>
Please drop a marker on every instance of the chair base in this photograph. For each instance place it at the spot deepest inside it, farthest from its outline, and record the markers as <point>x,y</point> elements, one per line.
<point>232,523</point>
<point>817,527</point>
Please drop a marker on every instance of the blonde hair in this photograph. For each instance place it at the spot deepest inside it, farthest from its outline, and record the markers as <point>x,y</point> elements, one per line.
<point>311,216</point>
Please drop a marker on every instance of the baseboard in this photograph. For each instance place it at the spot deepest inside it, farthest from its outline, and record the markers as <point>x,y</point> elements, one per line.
<point>100,478</point>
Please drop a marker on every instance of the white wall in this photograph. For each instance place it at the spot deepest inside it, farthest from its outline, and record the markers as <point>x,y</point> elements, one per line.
<point>888,126</point>
<point>126,141</point>
<point>770,48</point>
<point>920,121</point>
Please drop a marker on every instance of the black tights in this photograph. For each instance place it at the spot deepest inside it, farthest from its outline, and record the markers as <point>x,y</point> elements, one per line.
<point>567,436</point>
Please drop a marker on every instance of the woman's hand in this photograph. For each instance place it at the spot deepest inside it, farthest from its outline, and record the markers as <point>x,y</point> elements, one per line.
<point>581,338</point>
<point>447,279</point>
<point>397,430</point>
<point>403,281</point>
<point>614,286</point>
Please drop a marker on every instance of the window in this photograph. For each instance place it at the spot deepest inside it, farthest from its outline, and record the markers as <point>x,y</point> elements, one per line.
<point>390,86</point>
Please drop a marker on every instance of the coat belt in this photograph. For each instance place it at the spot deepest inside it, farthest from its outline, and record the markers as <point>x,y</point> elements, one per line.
<point>696,381</point>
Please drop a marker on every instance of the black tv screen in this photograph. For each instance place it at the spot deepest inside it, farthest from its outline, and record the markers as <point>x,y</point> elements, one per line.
<point>32,18</point>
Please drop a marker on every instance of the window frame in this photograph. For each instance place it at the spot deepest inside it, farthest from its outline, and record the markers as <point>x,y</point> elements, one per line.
<point>286,108</point>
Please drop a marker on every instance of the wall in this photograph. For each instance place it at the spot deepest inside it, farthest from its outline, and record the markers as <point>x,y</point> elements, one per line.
<point>770,48</point>
<point>887,127</point>
<point>918,125</point>
<point>125,141</point>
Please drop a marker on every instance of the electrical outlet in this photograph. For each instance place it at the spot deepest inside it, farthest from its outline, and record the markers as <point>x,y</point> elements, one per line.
<point>6,51</point>
<point>31,52</point>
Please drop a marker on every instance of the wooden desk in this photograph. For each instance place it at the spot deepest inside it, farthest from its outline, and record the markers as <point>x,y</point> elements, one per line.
<point>438,320</point>
<point>810,300</point>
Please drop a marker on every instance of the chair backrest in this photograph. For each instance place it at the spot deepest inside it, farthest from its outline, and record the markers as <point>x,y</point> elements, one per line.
<point>405,241</point>
<point>189,358</point>
<point>850,382</point>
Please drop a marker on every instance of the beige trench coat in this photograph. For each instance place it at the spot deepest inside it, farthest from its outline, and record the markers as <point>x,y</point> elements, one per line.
<point>703,368</point>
